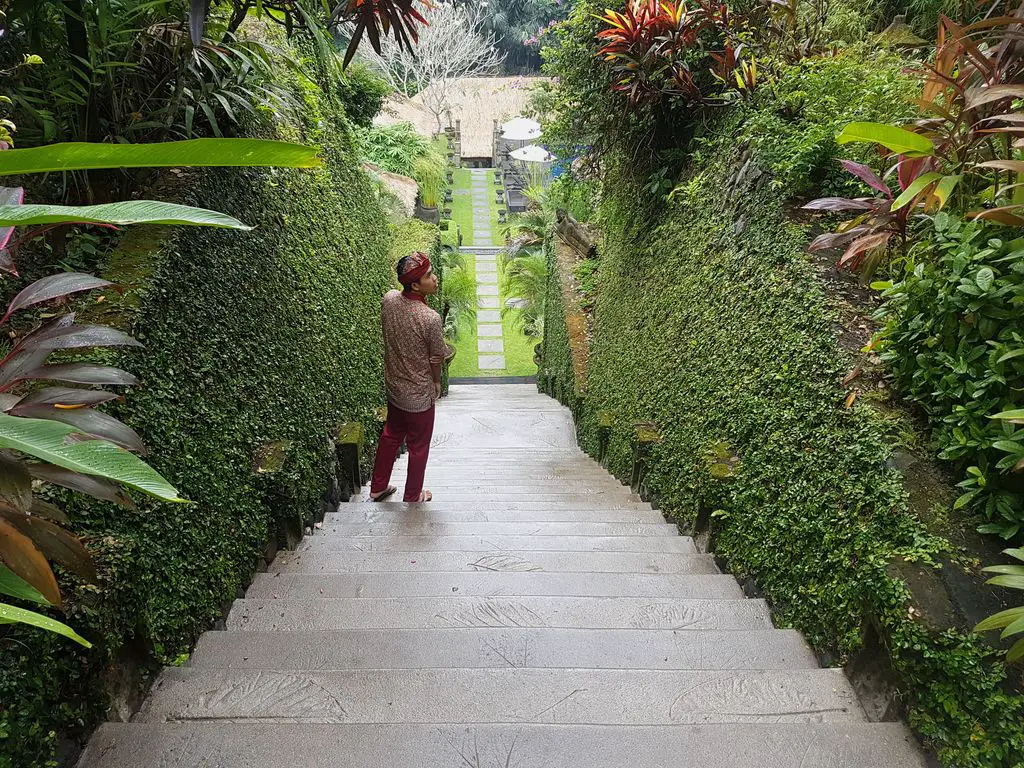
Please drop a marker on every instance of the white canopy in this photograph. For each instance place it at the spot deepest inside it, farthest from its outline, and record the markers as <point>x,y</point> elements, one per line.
<point>532,154</point>
<point>520,129</point>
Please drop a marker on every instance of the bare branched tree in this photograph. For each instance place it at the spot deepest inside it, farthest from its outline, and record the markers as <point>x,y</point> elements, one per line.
<point>455,44</point>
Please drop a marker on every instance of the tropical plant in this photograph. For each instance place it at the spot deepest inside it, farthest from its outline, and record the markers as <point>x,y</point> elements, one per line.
<point>392,147</point>
<point>965,150</point>
<point>53,434</point>
<point>527,230</point>
<point>458,296</point>
<point>658,50</point>
<point>374,18</point>
<point>867,237</point>
<point>519,25</point>
<point>124,70</point>
<point>525,278</point>
<point>1010,621</point>
<point>428,170</point>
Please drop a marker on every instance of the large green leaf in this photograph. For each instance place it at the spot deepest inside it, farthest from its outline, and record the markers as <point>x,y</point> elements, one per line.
<point>62,445</point>
<point>891,137</point>
<point>12,585</point>
<point>118,214</point>
<point>11,615</point>
<point>914,189</point>
<point>80,156</point>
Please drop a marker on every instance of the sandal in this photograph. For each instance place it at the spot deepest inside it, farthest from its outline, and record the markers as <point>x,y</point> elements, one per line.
<point>390,490</point>
<point>424,496</point>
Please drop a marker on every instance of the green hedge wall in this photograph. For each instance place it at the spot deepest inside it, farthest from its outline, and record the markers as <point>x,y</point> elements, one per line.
<point>272,335</point>
<point>711,323</point>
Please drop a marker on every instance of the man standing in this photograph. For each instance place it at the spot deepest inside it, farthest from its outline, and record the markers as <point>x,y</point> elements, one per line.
<point>414,352</point>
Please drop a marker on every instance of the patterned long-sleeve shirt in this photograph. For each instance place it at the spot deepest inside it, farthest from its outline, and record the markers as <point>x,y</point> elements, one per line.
<point>413,346</point>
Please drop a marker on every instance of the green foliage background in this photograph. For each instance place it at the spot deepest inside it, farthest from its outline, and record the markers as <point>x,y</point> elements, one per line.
<point>250,337</point>
<point>711,323</point>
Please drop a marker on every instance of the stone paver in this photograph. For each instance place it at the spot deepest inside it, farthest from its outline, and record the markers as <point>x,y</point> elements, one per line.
<point>488,302</point>
<point>535,614</point>
<point>491,362</point>
<point>486,290</point>
<point>489,330</point>
<point>490,345</point>
<point>488,315</point>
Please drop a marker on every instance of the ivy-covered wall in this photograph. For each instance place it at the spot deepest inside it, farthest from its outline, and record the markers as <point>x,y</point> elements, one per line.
<point>712,324</point>
<point>250,338</point>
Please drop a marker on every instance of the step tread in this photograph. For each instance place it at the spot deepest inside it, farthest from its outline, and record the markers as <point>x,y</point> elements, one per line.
<point>227,745</point>
<point>535,528</point>
<point>580,696</point>
<point>683,545</point>
<point>274,585</point>
<point>319,559</point>
<point>499,648</point>
<point>568,612</point>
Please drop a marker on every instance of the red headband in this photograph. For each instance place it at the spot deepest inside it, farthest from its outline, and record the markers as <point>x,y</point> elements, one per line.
<point>416,267</point>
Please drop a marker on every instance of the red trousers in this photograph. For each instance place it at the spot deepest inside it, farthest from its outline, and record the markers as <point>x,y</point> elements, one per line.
<point>415,429</point>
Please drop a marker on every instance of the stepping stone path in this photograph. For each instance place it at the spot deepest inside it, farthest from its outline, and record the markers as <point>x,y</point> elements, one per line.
<point>536,614</point>
<point>490,347</point>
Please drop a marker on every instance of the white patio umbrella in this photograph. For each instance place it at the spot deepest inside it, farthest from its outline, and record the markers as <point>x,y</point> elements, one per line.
<point>520,129</point>
<point>532,154</point>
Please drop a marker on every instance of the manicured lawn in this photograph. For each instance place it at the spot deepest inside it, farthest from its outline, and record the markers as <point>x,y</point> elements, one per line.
<point>518,346</point>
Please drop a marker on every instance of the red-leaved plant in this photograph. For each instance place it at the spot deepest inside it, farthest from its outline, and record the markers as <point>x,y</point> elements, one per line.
<point>649,46</point>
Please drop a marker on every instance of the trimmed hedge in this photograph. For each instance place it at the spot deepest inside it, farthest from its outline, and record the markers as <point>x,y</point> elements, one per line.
<point>711,323</point>
<point>272,335</point>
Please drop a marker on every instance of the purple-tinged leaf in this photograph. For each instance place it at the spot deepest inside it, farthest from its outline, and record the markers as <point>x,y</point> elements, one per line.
<point>98,488</point>
<point>79,336</point>
<point>7,262</point>
<point>8,401</point>
<point>976,97</point>
<point>197,20</point>
<point>91,422</point>
<point>867,175</point>
<point>53,287</point>
<point>83,373</point>
<point>863,245</point>
<point>44,509</point>
<point>9,196</point>
<point>838,204</point>
<point>71,397</point>
<point>836,239</point>
<point>15,484</point>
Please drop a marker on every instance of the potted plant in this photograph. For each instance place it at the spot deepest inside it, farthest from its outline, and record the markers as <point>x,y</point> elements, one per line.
<point>428,170</point>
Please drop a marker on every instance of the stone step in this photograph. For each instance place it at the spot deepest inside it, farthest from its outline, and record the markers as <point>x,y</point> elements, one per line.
<point>499,648</point>
<point>326,561</point>
<point>362,506</point>
<point>682,544</point>
<point>512,745</point>
<point>417,528</point>
<point>440,513</point>
<point>567,696</point>
<point>274,585</point>
<point>442,612</point>
<point>517,487</point>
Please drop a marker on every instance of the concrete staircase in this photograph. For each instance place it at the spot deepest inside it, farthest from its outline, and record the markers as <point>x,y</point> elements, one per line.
<point>535,615</point>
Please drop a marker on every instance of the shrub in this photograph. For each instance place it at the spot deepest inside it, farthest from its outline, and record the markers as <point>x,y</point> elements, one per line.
<point>363,93</point>
<point>954,341</point>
